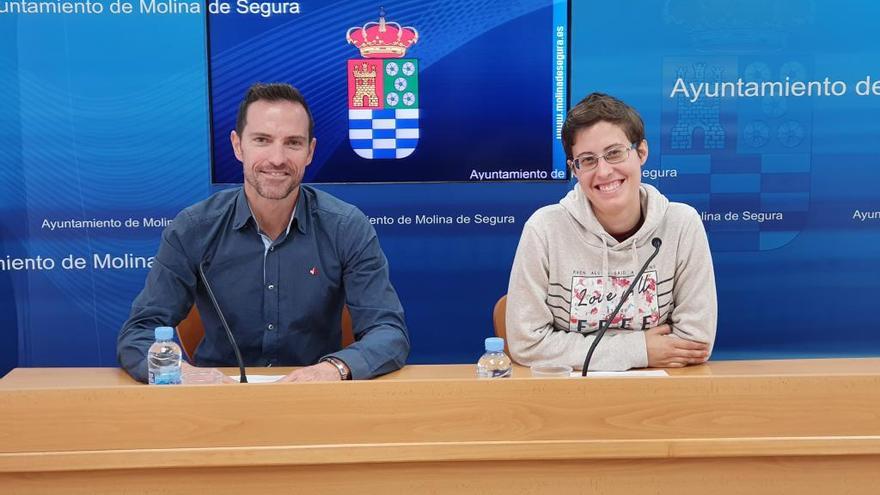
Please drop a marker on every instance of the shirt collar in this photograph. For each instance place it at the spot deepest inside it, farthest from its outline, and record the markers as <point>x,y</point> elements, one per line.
<point>301,211</point>
<point>300,218</point>
<point>242,210</point>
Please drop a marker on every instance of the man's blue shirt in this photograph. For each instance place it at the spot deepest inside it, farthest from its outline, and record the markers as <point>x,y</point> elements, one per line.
<point>283,302</point>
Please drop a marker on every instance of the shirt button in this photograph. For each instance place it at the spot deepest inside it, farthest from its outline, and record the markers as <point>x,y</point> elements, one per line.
<point>270,326</point>
<point>271,287</point>
<point>271,248</point>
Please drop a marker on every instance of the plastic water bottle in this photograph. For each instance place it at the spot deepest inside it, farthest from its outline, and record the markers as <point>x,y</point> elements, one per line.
<point>494,363</point>
<point>163,359</point>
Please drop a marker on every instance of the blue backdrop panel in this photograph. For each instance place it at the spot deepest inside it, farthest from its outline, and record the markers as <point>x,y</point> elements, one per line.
<point>105,122</point>
<point>10,188</point>
<point>778,176</point>
<point>111,126</point>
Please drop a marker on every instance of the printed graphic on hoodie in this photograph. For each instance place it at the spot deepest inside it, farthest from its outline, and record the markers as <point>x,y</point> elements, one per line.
<point>593,299</point>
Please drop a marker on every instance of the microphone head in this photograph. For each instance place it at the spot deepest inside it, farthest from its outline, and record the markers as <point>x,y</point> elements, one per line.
<point>656,242</point>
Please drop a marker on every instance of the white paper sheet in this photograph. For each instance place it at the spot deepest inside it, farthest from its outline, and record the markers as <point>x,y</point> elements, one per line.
<point>259,378</point>
<point>619,374</point>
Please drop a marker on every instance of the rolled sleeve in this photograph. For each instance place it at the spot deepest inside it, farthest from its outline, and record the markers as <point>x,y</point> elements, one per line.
<point>382,342</point>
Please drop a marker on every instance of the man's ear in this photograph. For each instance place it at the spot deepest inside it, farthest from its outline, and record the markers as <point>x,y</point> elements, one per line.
<point>312,145</point>
<point>236,144</point>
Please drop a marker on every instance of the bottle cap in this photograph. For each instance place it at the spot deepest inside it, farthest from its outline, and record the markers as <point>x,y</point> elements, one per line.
<point>494,344</point>
<point>164,333</point>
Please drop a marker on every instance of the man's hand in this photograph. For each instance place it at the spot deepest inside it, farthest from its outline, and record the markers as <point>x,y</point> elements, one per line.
<point>321,372</point>
<point>668,351</point>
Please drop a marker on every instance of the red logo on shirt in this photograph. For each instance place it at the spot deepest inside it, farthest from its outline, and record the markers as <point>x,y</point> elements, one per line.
<point>314,271</point>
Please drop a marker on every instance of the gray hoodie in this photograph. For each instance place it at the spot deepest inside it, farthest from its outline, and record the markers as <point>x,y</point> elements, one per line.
<point>569,274</point>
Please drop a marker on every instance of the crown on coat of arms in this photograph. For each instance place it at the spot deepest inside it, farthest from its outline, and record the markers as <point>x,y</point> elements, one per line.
<point>382,39</point>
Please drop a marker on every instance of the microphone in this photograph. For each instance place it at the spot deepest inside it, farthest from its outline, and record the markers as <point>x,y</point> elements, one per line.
<point>242,377</point>
<point>656,242</point>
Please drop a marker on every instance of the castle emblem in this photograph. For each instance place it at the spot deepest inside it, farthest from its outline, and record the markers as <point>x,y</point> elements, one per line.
<point>383,91</point>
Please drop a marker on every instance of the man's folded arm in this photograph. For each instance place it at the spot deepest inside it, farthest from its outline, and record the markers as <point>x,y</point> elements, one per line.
<point>381,339</point>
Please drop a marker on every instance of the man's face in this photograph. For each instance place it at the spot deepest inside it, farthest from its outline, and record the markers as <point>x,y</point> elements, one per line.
<point>613,189</point>
<point>274,148</point>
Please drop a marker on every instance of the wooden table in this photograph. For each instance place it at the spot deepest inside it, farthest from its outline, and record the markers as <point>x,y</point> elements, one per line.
<point>737,427</point>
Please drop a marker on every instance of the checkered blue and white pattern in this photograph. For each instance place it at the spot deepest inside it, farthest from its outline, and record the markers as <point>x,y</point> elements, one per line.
<point>378,134</point>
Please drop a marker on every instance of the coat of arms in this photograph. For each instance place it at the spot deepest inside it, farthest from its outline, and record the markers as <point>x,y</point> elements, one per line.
<point>383,91</point>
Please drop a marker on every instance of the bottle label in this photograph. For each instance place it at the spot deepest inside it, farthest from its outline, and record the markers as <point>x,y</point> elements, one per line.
<point>501,373</point>
<point>165,375</point>
<point>487,373</point>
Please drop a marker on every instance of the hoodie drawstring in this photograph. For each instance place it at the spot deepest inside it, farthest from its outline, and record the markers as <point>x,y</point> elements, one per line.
<point>635,268</point>
<point>606,277</point>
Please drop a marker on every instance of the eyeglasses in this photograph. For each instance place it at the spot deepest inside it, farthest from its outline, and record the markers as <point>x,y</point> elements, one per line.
<point>617,154</point>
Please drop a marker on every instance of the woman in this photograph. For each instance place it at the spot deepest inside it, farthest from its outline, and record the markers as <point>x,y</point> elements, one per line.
<point>576,258</point>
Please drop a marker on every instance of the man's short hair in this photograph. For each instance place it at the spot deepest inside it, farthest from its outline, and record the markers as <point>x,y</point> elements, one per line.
<point>271,92</point>
<point>599,107</point>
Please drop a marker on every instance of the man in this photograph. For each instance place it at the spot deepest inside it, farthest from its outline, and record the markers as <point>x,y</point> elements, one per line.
<point>576,258</point>
<point>282,258</point>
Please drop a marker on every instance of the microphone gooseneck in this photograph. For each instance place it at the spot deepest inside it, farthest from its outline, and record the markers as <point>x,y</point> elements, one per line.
<point>656,242</point>
<point>242,375</point>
